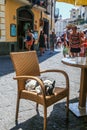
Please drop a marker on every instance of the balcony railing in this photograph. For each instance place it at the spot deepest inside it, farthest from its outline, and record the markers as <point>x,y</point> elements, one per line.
<point>78,21</point>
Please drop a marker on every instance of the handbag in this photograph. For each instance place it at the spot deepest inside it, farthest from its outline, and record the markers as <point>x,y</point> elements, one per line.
<point>65,50</point>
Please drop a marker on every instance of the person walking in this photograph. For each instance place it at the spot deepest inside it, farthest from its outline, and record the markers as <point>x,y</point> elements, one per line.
<point>41,42</point>
<point>29,39</point>
<point>82,52</point>
<point>75,42</point>
<point>66,49</point>
<point>46,41</point>
<point>53,40</point>
<point>32,46</point>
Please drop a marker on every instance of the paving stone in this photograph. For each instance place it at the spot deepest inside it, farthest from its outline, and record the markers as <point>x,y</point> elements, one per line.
<point>28,118</point>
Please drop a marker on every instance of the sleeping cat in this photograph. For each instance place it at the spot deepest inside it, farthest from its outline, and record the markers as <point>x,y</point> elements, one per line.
<point>32,85</point>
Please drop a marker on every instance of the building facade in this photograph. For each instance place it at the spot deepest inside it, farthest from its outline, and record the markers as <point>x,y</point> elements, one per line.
<point>78,17</point>
<point>18,15</point>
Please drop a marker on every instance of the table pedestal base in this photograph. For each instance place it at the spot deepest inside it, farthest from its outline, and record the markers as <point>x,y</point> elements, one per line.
<point>79,112</point>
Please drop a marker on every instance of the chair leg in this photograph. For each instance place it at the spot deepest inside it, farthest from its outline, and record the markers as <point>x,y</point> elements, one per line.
<point>45,118</point>
<point>67,107</point>
<point>36,106</point>
<point>17,109</point>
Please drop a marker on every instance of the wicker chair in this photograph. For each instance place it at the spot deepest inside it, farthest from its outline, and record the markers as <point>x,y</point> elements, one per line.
<point>27,67</point>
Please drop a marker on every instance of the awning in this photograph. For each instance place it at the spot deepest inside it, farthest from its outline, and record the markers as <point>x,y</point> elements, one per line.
<point>81,2</point>
<point>75,2</point>
<point>67,1</point>
<point>39,8</point>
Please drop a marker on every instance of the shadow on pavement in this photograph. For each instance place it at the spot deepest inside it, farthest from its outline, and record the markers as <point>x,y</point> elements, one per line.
<point>56,120</point>
<point>6,65</point>
<point>47,55</point>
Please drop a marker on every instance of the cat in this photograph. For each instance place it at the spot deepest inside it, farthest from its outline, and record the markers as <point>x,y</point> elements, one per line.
<point>32,85</point>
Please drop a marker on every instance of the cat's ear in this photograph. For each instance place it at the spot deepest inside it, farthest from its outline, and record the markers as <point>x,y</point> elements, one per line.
<point>54,83</point>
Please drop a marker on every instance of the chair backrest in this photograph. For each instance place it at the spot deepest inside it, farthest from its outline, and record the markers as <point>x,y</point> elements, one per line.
<point>25,63</point>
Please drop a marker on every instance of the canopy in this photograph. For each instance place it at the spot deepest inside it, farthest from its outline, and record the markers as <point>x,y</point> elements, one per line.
<point>67,1</point>
<point>81,2</point>
<point>75,2</point>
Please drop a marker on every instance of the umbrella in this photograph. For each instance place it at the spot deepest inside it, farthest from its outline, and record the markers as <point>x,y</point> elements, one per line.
<point>67,1</point>
<point>81,2</point>
<point>74,2</point>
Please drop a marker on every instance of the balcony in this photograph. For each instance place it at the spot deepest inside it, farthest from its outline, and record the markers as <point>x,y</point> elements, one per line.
<point>38,3</point>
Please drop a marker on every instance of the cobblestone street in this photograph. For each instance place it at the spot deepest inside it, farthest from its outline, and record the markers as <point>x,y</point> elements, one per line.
<point>28,118</point>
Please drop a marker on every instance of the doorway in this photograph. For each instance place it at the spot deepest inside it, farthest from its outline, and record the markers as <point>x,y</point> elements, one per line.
<point>25,20</point>
<point>46,30</point>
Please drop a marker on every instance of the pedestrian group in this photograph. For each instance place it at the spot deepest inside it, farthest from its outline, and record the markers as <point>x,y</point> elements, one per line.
<point>72,42</point>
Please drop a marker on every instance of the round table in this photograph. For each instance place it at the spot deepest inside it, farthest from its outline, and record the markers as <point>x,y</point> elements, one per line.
<point>81,63</point>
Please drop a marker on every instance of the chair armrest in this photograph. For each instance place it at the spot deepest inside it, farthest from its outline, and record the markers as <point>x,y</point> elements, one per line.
<point>58,71</point>
<point>34,78</point>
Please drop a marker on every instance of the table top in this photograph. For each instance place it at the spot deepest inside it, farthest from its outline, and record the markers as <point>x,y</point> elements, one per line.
<point>76,62</point>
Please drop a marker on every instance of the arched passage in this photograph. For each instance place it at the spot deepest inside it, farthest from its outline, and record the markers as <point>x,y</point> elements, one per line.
<point>25,20</point>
